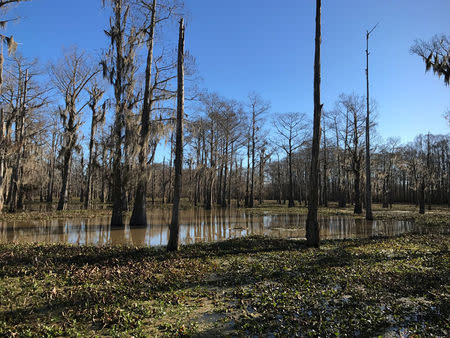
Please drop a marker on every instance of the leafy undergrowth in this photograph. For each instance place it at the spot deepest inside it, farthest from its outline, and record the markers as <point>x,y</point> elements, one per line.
<point>53,214</point>
<point>253,286</point>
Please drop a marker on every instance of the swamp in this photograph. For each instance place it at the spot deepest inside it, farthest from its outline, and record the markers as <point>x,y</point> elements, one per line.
<point>252,168</point>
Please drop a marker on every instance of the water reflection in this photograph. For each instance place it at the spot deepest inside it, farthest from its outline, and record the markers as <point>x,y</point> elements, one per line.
<point>197,225</point>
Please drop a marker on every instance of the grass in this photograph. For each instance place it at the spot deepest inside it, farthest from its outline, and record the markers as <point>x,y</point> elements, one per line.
<point>241,287</point>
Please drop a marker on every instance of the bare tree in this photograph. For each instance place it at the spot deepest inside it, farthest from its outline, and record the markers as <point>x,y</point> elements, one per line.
<point>369,215</point>
<point>172,245</point>
<point>159,72</point>
<point>354,107</point>
<point>70,77</point>
<point>257,108</point>
<point>12,46</point>
<point>139,215</point>
<point>290,127</point>
<point>120,68</point>
<point>312,225</point>
<point>22,98</point>
<point>98,117</point>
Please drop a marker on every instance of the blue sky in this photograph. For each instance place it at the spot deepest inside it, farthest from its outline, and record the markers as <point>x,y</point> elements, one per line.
<point>268,47</point>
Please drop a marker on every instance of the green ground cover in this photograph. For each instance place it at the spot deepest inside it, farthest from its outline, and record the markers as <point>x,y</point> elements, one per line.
<point>252,286</point>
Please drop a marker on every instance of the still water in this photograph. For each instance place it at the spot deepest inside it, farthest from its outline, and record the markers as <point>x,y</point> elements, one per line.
<point>196,225</point>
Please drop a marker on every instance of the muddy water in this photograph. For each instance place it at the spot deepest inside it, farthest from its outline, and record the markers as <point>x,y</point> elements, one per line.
<point>197,225</point>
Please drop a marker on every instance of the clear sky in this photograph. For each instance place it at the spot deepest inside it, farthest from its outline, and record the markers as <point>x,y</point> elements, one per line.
<point>268,47</point>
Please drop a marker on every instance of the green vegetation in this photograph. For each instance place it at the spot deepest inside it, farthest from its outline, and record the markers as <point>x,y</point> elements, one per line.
<point>54,214</point>
<point>249,286</point>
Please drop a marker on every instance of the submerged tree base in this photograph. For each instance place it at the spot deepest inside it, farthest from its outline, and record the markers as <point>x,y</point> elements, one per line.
<point>252,286</point>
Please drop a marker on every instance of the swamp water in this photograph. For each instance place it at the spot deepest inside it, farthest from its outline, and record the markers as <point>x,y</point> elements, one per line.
<point>196,225</point>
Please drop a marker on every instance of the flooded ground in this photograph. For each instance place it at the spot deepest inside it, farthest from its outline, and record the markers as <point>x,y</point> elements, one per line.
<point>197,225</point>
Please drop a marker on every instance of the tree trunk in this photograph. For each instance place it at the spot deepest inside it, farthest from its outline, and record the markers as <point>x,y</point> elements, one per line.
<point>261,176</point>
<point>312,225</point>
<point>369,215</point>
<point>358,207</point>
<point>3,167</point>
<point>422,197</point>
<point>291,183</point>
<point>247,182</point>
<point>63,195</point>
<point>51,172</point>
<point>252,182</point>
<point>119,123</point>
<point>325,169</point>
<point>20,130</point>
<point>175,226</point>
<point>139,214</point>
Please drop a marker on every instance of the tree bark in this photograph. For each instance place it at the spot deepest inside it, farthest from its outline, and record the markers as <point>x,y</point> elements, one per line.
<point>369,215</point>
<point>117,193</point>
<point>96,118</point>
<point>139,214</point>
<point>312,225</point>
<point>175,226</point>
<point>291,182</point>
<point>16,171</point>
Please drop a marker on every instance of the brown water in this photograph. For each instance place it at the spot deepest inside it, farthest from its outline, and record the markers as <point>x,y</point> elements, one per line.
<point>197,225</point>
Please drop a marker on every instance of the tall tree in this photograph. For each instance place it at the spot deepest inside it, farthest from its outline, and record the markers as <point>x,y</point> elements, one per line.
<point>19,135</point>
<point>172,245</point>
<point>354,110</point>
<point>312,224</point>
<point>139,214</point>
<point>257,108</point>
<point>11,45</point>
<point>70,76</point>
<point>98,117</point>
<point>159,73</point>
<point>369,215</point>
<point>290,127</point>
<point>120,68</point>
